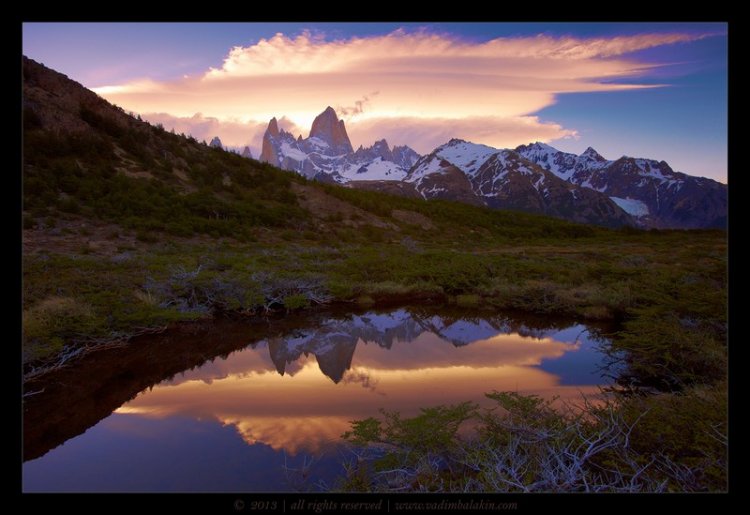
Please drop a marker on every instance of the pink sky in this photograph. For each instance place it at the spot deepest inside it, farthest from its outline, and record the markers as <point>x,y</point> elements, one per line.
<point>417,88</point>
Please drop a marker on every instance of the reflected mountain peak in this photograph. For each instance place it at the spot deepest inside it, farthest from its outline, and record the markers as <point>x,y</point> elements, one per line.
<point>334,341</point>
<point>400,360</point>
<point>332,349</point>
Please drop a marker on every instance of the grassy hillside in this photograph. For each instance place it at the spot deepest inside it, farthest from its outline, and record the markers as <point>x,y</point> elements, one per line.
<point>129,227</point>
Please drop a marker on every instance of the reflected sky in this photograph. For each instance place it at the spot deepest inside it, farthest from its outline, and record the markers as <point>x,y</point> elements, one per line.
<point>293,395</point>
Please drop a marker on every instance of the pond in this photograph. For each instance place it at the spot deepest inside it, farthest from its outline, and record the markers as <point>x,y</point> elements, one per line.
<point>261,406</point>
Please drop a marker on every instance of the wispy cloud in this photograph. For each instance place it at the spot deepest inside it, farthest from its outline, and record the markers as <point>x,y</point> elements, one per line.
<point>424,134</point>
<point>357,108</point>
<point>484,91</point>
<point>362,377</point>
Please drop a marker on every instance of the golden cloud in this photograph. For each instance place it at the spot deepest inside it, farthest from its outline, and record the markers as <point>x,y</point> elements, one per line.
<point>428,81</point>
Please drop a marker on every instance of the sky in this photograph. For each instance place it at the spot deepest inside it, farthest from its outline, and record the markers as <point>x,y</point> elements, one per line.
<point>654,90</point>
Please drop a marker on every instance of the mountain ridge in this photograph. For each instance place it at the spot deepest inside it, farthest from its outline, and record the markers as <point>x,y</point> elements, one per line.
<point>535,178</point>
<point>502,179</point>
<point>649,190</point>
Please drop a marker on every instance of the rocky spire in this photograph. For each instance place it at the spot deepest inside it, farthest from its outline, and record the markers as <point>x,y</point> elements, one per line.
<point>216,143</point>
<point>246,152</point>
<point>268,152</point>
<point>273,127</point>
<point>330,129</point>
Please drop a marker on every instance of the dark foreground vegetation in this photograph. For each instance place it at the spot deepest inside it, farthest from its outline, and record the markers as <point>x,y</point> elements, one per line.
<point>128,227</point>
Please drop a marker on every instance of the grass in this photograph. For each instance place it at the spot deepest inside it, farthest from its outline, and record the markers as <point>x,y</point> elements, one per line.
<point>656,283</point>
<point>52,322</point>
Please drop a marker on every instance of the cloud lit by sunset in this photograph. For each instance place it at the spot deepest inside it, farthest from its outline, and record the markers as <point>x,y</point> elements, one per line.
<point>423,85</point>
<point>417,83</point>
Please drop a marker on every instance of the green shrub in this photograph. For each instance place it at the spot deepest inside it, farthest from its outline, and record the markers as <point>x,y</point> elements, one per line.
<point>296,301</point>
<point>54,322</point>
<point>525,444</point>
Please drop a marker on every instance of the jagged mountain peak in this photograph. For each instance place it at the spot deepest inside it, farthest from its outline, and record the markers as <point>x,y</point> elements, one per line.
<point>452,142</point>
<point>537,146</point>
<point>648,190</point>
<point>592,154</point>
<point>535,177</point>
<point>327,153</point>
<point>505,179</point>
<point>327,127</point>
<point>216,143</point>
<point>273,127</point>
<point>465,155</point>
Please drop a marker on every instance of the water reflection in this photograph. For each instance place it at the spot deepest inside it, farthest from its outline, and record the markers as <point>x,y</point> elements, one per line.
<point>299,393</point>
<point>296,391</point>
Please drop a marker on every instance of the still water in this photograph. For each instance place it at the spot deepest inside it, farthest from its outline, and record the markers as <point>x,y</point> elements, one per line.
<point>232,406</point>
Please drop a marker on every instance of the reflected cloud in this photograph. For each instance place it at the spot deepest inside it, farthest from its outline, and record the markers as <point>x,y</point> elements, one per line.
<point>290,434</point>
<point>422,342</point>
<point>364,378</point>
<point>347,369</point>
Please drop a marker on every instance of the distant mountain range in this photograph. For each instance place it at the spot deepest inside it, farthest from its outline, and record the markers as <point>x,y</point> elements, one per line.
<point>649,190</point>
<point>327,154</point>
<point>535,178</point>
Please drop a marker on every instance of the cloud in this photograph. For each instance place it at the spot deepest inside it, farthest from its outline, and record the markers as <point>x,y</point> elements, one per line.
<point>357,108</point>
<point>362,377</point>
<point>488,90</point>
<point>424,134</point>
<point>308,53</point>
<point>233,133</point>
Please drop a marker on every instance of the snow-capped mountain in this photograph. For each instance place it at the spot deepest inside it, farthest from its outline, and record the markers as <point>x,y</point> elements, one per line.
<point>585,188</point>
<point>649,190</point>
<point>503,179</point>
<point>327,153</point>
<point>535,178</point>
<point>334,341</point>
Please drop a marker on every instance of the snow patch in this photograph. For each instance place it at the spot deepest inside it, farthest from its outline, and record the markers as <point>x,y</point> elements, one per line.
<point>288,151</point>
<point>374,171</point>
<point>429,166</point>
<point>383,322</point>
<point>467,332</point>
<point>631,206</point>
<point>469,157</point>
<point>316,141</point>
